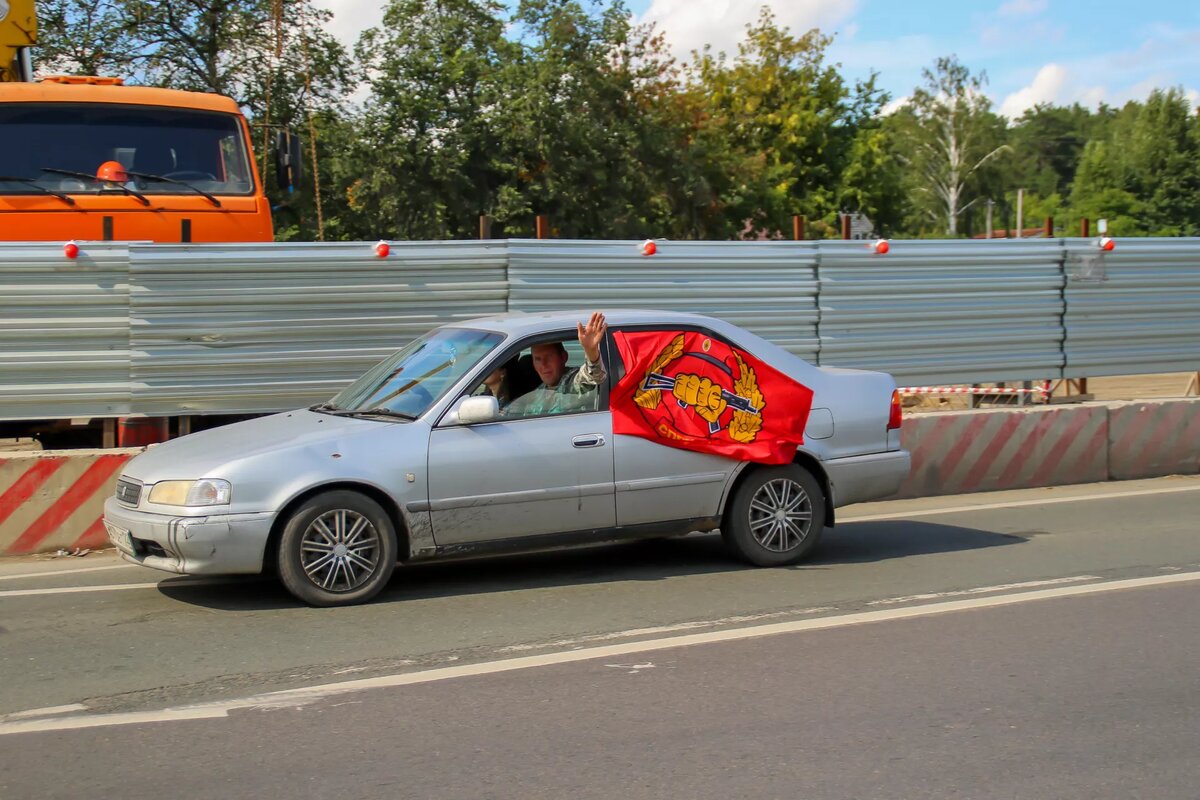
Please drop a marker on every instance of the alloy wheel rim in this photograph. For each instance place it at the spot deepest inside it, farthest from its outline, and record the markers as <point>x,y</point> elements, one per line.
<point>340,550</point>
<point>780,515</point>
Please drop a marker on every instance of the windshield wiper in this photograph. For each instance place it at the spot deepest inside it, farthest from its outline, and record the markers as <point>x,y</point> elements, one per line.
<point>33,182</point>
<point>383,412</point>
<point>378,411</point>
<point>185,184</point>
<point>84,176</point>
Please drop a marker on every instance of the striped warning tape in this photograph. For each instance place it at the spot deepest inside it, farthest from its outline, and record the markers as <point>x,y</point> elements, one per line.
<point>968,390</point>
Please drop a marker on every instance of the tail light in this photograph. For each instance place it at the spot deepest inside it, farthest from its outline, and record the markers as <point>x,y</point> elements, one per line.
<point>896,417</point>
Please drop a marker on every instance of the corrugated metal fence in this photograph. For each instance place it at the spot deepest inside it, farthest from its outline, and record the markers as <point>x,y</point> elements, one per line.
<point>64,331</point>
<point>944,311</point>
<point>261,327</point>
<point>768,288</point>
<point>1133,311</point>
<point>182,329</point>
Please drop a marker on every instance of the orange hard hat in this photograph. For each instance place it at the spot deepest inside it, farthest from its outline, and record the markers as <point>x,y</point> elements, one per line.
<point>111,171</point>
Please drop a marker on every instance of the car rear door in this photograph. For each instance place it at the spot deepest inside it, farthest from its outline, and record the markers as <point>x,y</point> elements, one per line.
<point>656,483</point>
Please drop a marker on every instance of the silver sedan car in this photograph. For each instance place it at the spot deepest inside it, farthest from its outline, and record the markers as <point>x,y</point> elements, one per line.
<point>439,451</point>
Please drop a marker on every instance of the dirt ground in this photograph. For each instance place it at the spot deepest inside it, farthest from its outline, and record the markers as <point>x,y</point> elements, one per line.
<point>1119,387</point>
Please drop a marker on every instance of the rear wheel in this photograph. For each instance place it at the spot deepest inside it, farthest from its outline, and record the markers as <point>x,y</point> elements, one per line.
<point>337,549</point>
<point>776,517</point>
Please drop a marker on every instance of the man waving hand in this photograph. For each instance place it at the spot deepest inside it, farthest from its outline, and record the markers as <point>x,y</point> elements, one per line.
<point>565,388</point>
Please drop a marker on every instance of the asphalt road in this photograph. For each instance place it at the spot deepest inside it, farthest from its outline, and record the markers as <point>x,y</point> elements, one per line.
<point>1022,644</point>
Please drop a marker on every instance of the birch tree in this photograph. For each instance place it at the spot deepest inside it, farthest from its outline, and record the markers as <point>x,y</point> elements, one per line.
<point>954,138</point>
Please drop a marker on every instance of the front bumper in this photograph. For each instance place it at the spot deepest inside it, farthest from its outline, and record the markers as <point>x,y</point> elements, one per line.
<point>227,544</point>
<point>871,477</point>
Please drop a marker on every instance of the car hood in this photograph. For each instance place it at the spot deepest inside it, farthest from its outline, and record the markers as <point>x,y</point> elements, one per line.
<point>220,451</point>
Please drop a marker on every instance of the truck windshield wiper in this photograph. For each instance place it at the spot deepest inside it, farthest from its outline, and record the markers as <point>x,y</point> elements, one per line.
<point>33,182</point>
<point>84,176</point>
<point>185,184</point>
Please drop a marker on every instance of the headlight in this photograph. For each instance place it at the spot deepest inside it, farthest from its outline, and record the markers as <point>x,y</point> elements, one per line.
<point>207,492</point>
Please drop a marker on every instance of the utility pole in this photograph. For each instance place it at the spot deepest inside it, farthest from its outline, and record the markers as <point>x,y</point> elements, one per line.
<point>991,204</point>
<point>1020,213</point>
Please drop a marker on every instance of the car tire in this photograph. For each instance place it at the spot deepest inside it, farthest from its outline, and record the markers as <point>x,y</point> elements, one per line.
<point>337,549</point>
<point>776,517</point>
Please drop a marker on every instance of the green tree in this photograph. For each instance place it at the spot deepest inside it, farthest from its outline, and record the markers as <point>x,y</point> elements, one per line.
<point>789,120</point>
<point>954,137</point>
<point>1143,172</point>
<point>426,161</point>
<point>84,37</point>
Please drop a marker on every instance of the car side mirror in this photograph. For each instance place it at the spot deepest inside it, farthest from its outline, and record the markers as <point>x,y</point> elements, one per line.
<point>474,410</point>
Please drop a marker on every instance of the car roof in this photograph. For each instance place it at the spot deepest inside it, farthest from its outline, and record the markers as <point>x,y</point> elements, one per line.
<point>520,323</point>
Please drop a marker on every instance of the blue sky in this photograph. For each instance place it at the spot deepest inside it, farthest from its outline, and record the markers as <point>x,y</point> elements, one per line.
<point>1058,51</point>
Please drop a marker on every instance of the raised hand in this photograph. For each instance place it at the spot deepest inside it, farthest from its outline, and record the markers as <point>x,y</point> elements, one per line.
<point>592,335</point>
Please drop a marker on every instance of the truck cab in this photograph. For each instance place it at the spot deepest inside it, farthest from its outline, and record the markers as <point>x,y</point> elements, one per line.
<point>91,159</point>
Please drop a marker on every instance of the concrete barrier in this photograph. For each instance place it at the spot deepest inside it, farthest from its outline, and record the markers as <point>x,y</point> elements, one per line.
<point>55,499</point>
<point>1021,448</point>
<point>1148,439</point>
<point>50,500</point>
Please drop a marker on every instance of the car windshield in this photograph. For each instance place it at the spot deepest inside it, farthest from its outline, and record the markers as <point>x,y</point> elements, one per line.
<point>62,147</point>
<point>410,381</point>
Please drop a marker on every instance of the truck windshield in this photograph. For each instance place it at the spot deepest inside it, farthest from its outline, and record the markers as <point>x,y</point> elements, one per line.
<point>39,142</point>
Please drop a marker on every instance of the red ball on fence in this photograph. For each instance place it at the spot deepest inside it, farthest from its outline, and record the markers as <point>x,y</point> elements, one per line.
<point>71,250</point>
<point>383,249</point>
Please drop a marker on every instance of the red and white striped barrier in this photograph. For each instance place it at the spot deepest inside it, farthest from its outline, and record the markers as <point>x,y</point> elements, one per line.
<point>1147,439</point>
<point>968,390</point>
<point>956,452</point>
<point>54,500</point>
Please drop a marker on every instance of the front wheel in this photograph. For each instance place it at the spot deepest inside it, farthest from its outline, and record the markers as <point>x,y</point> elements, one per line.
<point>337,549</point>
<point>776,517</point>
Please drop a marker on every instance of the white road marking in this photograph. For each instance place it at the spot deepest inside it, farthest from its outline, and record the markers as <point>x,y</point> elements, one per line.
<point>293,698</point>
<point>1049,501</point>
<point>112,587</point>
<point>632,669</point>
<point>66,571</point>
<point>1004,587</point>
<point>660,629</point>
<point>48,711</point>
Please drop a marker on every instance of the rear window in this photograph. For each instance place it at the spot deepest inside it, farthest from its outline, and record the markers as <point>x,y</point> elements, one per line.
<point>204,149</point>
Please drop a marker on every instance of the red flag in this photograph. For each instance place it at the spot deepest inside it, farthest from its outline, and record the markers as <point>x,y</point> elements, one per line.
<point>686,389</point>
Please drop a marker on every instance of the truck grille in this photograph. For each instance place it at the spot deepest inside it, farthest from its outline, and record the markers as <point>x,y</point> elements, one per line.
<point>128,492</point>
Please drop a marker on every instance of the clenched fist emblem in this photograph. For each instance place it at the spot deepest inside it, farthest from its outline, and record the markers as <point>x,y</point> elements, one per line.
<point>701,394</point>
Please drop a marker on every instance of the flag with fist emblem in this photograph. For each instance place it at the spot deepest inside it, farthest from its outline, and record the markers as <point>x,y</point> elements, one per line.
<point>686,389</point>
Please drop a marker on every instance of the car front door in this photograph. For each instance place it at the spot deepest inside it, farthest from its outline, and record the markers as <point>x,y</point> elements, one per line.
<point>529,476</point>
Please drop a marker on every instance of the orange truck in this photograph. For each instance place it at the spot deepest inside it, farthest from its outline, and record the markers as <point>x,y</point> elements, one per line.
<point>89,158</point>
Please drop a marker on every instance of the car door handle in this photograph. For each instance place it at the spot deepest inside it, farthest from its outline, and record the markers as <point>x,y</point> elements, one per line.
<point>588,440</point>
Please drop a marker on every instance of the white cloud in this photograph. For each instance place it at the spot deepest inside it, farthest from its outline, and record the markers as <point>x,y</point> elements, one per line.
<point>352,17</point>
<point>1022,8</point>
<point>894,105</point>
<point>1061,85</point>
<point>1048,87</point>
<point>691,24</point>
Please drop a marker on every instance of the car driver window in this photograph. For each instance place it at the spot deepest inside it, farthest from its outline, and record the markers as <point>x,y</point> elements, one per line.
<point>542,380</point>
